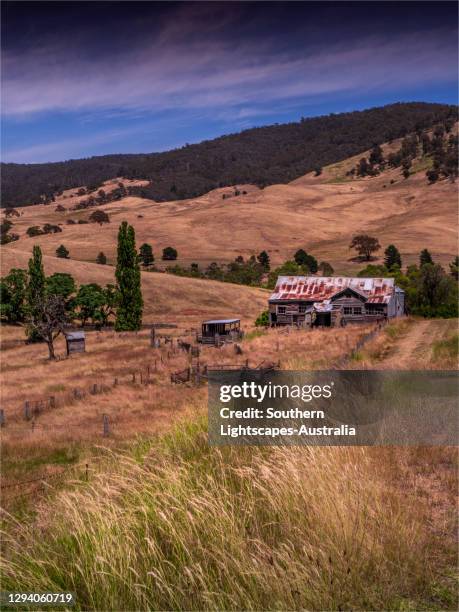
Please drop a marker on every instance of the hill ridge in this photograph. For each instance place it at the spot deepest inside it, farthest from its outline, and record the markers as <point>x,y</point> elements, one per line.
<point>267,155</point>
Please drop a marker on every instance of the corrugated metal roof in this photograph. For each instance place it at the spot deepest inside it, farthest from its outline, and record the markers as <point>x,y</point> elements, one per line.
<point>320,288</point>
<point>221,321</point>
<point>76,335</point>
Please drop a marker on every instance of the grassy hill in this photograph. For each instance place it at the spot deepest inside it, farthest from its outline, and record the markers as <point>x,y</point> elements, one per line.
<point>262,156</point>
<point>320,214</point>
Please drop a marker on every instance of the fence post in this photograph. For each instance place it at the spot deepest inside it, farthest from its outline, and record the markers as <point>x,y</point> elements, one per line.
<point>115,382</point>
<point>27,410</point>
<point>94,388</point>
<point>133,377</point>
<point>33,425</point>
<point>2,418</point>
<point>152,337</point>
<point>52,402</point>
<point>87,472</point>
<point>106,425</point>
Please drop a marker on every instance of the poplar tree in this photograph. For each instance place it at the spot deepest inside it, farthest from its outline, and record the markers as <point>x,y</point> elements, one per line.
<point>35,290</point>
<point>130,303</point>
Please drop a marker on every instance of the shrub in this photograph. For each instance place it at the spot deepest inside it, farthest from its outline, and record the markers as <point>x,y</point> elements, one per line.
<point>263,319</point>
<point>99,216</point>
<point>35,230</point>
<point>62,252</point>
<point>169,254</point>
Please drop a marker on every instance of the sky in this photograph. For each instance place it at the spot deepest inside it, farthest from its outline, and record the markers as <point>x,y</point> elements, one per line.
<point>90,78</point>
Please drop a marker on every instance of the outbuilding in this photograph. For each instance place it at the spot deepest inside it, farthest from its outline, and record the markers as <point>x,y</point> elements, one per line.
<point>76,342</point>
<point>216,330</point>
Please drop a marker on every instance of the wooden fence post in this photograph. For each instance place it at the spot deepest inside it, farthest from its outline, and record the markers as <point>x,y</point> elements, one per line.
<point>94,389</point>
<point>152,338</point>
<point>27,410</point>
<point>87,472</point>
<point>2,418</point>
<point>52,402</point>
<point>115,382</point>
<point>106,426</point>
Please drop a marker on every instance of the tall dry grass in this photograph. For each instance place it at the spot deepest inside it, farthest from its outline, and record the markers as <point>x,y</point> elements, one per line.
<point>178,525</point>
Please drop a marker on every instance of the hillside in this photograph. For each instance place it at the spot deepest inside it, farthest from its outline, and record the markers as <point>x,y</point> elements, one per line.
<point>166,297</point>
<point>261,156</point>
<point>320,214</point>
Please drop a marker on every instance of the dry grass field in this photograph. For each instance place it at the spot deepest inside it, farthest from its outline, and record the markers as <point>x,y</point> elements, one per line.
<point>150,516</point>
<point>320,214</point>
<point>166,297</point>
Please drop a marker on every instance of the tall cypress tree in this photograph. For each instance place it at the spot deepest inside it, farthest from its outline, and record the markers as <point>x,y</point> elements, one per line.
<point>35,288</point>
<point>130,302</point>
<point>392,257</point>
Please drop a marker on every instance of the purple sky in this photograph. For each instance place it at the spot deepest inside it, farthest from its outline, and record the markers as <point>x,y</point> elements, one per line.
<point>83,79</point>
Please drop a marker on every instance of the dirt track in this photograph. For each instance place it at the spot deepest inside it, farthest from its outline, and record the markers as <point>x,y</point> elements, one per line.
<point>414,348</point>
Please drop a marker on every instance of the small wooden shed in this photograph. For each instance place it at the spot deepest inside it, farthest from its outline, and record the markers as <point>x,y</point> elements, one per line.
<point>75,342</point>
<point>220,330</point>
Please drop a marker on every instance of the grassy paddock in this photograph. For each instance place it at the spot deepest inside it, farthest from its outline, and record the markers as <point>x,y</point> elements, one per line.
<point>178,525</point>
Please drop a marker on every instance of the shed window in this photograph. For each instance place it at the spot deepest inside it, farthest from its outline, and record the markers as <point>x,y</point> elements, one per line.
<point>281,309</point>
<point>357,310</point>
<point>303,307</point>
<point>347,310</point>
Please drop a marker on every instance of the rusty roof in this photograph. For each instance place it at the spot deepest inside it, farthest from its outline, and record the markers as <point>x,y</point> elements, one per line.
<point>320,288</point>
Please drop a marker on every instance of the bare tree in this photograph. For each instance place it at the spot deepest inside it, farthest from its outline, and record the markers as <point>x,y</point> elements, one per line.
<point>48,320</point>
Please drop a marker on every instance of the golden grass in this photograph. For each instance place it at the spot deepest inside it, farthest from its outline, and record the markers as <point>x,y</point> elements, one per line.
<point>167,298</point>
<point>309,213</point>
<point>412,343</point>
<point>178,525</point>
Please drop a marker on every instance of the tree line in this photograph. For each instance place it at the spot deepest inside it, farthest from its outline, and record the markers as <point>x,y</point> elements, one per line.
<point>262,156</point>
<point>47,305</point>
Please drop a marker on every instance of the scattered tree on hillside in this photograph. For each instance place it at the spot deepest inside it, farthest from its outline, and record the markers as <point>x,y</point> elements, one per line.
<point>432,175</point>
<point>376,155</point>
<point>146,255</point>
<point>263,260</point>
<point>62,252</point>
<point>363,167</point>
<point>317,171</point>
<point>392,257</point>
<point>5,236</point>
<point>365,245</point>
<point>130,303</point>
<point>99,216</point>
<point>35,230</point>
<point>425,258</point>
<point>60,208</point>
<point>303,259</point>
<point>11,212</point>
<point>169,254</point>
<point>101,258</point>
<point>13,296</point>
<point>49,228</point>
<point>454,268</point>
<point>326,268</point>
<point>406,165</point>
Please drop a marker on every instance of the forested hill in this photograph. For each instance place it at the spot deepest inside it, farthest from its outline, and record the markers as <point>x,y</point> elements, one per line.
<point>262,156</point>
